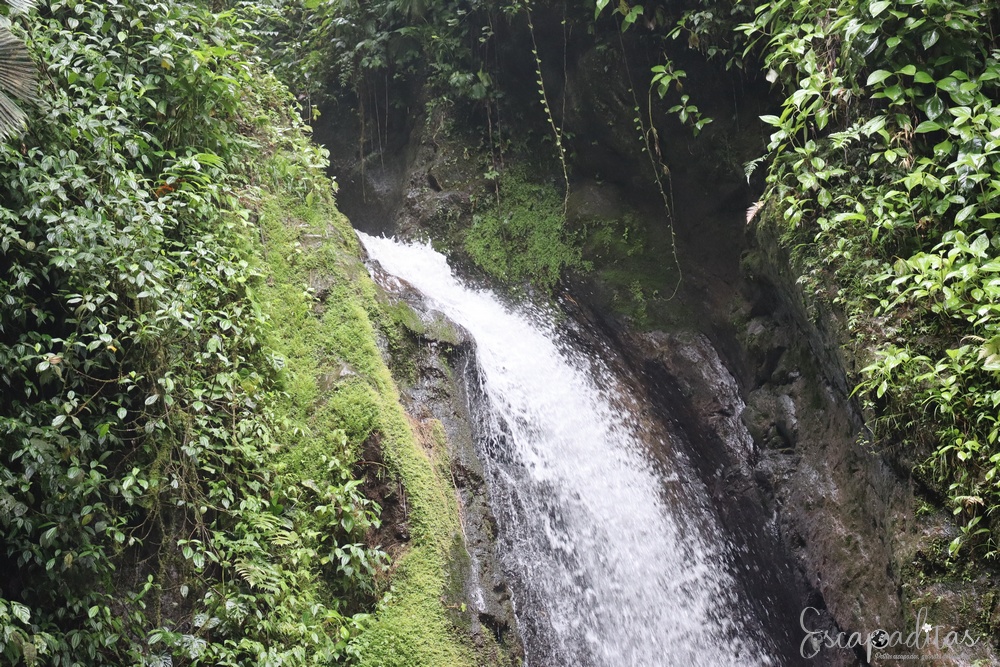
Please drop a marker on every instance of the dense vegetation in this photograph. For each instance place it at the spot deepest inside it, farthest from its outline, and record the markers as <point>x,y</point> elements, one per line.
<point>885,175</point>
<point>175,486</point>
<point>520,235</point>
<point>370,58</point>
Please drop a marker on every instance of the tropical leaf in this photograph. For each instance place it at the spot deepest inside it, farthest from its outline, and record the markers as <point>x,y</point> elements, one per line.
<point>22,5</point>
<point>11,117</point>
<point>18,80</point>
<point>18,75</point>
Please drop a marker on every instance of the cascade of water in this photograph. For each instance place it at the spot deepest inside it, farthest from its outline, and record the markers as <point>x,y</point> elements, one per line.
<point>614,556</point>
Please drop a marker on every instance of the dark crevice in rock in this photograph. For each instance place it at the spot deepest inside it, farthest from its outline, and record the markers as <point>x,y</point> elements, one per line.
<point>394,534</point>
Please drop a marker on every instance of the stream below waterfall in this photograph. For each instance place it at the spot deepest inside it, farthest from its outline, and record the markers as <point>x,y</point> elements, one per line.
<point>613,552</point>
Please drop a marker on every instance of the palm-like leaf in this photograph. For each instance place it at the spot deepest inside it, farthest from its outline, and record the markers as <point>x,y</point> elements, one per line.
<point>17,73</point>
<point>18,76</point>
<point>22,5</point>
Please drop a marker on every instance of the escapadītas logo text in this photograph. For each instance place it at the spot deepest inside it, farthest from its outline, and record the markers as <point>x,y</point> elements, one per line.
<point>922,635</point>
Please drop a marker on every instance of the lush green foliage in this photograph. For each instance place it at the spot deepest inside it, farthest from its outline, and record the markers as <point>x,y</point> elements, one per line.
<point>374,56</point>
<point>151,511</point>
<point>325,310</point>
<point>886,156</point>
<point>318,44</point>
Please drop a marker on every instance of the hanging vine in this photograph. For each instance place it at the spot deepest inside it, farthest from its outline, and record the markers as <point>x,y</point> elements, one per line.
<point>661,173</point>
<point>556,130</point>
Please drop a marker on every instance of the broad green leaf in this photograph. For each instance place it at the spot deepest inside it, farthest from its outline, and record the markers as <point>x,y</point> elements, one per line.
<point>878,76</point>
<point>824,198</point>
<point>980,245</point>
<point>878,7</point>
<point>964,214</point>
<point>934,108</point>
<point>21,612</point>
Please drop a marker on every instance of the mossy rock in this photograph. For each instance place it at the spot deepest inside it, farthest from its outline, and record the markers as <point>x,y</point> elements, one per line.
<point>411,625</point>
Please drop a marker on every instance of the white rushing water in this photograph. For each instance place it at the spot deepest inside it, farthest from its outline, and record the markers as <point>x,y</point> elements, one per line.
<point>614,559</point>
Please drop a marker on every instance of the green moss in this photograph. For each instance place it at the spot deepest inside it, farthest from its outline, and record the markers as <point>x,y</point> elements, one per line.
<point>412,627</point>
<point>401,313</point>
<point>322,305</point>
<point>458,573</point>
<point>521,236</point>
<point>400,327</point>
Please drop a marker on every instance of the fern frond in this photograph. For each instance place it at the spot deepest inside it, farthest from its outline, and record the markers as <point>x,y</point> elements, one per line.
<point>259,575</point>
<point>284,538</point>
<point>265,522</point>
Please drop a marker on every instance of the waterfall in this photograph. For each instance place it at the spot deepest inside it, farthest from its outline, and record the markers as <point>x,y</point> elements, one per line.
<point>613,552</point>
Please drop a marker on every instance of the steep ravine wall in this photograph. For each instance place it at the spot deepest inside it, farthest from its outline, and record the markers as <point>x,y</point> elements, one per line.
<point>749,367</point>
<point>864,538</point>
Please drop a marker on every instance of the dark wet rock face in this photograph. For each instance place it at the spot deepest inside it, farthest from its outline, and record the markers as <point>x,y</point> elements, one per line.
<point>751,464</point>
<point>849,514</point>
<point>686,389</point>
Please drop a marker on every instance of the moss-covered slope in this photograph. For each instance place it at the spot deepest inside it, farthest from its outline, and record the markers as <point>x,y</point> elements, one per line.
<point>323,306</point>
